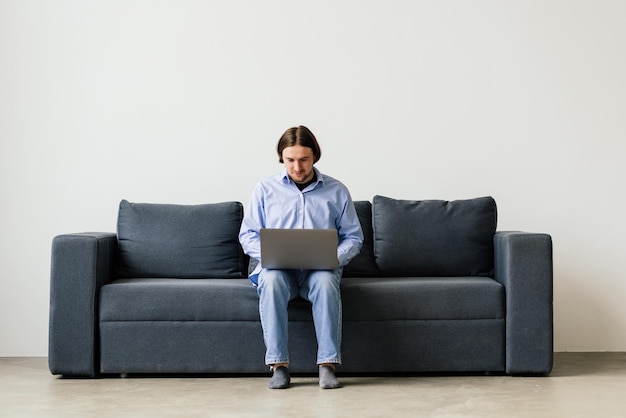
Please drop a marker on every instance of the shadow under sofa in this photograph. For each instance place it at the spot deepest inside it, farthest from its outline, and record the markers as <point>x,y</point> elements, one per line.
<point>435,289</point>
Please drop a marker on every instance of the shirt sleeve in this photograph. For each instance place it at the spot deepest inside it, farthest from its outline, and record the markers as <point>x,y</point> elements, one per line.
<point>350,233</point>
<point>253,221</point>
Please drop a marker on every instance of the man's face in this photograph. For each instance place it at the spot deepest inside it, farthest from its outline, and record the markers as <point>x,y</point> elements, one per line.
<point>298,161</point>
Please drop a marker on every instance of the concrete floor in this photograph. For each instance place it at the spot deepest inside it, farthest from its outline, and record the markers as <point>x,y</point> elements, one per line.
<point>581,385</point>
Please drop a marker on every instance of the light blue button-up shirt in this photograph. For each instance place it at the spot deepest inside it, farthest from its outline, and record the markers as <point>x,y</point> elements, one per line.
<point>276,202</point>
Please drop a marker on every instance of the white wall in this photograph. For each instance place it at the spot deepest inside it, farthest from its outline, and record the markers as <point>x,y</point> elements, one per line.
<point>182,102</point>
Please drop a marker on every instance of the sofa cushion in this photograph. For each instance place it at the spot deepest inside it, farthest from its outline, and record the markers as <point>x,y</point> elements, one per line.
<point>180,241</point>
<point>364,299</point>
<point>422,298</point>
<point>434,237</point>
<point>165,299</point>
<point>364,264</point>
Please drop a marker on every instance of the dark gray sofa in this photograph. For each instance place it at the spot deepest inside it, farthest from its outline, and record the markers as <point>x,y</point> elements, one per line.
<point>435,289</point>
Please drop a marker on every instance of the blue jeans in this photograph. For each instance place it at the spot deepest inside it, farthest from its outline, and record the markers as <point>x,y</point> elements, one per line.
<point>320,287</point>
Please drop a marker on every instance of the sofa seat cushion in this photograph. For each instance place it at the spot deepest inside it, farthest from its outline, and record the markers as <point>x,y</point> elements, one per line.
<point>364,299</point>
<point>164,299</point>
<point>422,298</point>
<point>167,299</point>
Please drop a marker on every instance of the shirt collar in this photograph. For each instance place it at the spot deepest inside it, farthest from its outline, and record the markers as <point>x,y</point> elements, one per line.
<point>285,177</point>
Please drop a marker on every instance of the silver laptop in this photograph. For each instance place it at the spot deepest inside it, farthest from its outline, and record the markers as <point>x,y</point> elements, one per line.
<point>311,249</point>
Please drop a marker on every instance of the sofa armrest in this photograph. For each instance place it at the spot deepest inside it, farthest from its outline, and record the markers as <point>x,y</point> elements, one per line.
<point>523,264</point>
<point>81,264</point>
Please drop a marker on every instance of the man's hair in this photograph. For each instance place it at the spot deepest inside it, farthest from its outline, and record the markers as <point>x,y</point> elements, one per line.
<point>298,135</point>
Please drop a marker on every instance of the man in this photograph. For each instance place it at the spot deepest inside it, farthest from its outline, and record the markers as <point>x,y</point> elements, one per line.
<point>301,197</point>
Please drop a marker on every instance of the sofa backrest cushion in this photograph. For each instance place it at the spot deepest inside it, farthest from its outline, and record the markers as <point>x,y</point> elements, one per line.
<point>180,241</point>
<point>364,264</point>
<point>434,237</point>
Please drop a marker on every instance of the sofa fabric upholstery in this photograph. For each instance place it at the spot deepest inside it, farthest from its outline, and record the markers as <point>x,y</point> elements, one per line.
<point>529,327</point>
<point>434,237</point>
<point>435,288</point>
<point>81,264</point>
